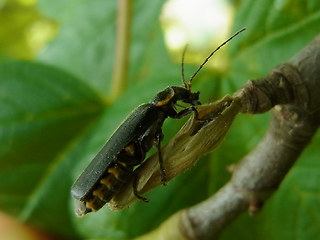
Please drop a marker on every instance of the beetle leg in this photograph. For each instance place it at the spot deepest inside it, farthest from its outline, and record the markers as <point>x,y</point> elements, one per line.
<point>137,156</point>
<point>141,154</point>
<point>196,114</point>
<point>135,182</point>
<point>162,169</point>
<point>135,188</point>
<point>186,112</point>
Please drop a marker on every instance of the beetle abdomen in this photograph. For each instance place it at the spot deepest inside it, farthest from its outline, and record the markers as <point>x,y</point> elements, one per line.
<point>118,173</point>
<point>107,187</point>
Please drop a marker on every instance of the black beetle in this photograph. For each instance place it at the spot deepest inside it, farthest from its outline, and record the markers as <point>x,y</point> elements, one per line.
<point>127,147</point>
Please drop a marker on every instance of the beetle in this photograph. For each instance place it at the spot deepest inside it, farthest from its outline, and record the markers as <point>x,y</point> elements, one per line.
<point>114,164</point>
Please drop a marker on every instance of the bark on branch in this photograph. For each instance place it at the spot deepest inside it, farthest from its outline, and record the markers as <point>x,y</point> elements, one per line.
<point>291,92</point>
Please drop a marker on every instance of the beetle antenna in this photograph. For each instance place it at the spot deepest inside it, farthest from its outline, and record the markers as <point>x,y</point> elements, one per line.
<point>182,68</point>
<point>206,60</point>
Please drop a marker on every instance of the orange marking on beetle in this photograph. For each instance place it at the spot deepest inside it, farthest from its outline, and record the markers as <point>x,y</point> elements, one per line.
<point>90,204</point>
<point>129,149</point>
<point>114,171</point>
<point>166,100</point>
<point>107,181</point>
<point>99,192</point>
<point>123,164</point>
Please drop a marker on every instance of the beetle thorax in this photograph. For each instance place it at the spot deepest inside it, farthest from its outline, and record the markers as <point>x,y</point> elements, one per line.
<point>171,95</point>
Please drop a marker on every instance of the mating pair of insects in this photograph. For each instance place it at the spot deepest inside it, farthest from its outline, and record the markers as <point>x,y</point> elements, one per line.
<point>114,164</point>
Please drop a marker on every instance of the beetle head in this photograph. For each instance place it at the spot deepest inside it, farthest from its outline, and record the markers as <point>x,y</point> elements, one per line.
<point>185,95</point>
<point>193,99</point>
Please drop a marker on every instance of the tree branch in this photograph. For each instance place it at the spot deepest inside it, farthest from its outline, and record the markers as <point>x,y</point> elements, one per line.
<point>293,123</point>
<point>291,91</point>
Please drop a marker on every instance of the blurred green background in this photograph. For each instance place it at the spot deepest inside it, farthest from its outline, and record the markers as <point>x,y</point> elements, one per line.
<point>56,61</point>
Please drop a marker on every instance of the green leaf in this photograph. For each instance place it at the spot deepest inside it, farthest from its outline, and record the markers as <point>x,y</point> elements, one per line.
<point>276,30</point>
<point>85,43</point>
<point>22,31</point>
<point>43,112</point>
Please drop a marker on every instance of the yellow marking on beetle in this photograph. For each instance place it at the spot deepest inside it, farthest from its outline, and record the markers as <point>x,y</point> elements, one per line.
<point>107,181</point>
<point>114,171</point>
<point>90,204</point>
<point>166,100</point>
<point>99,192</point>
<point>129,149</point>
<point>123,164</point>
